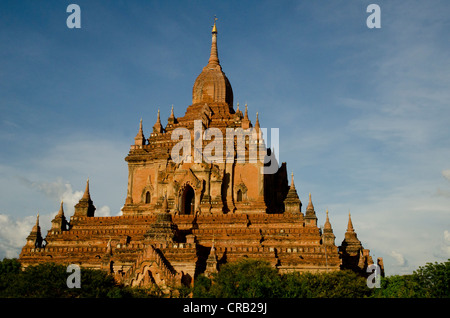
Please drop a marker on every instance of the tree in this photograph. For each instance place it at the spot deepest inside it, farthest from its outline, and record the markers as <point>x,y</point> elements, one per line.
<point>434,279</point>
<point>246,278</point>
<point>397,286</point>
<point>249,278</point>
<point>342,284</point>
<point>9,266</point>
<point>202,287</point>
<point>429,281</point>
<point>9,271</point>
<point>49,280</point>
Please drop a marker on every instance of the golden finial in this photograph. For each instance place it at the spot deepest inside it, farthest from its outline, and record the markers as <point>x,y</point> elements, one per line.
<point>214,29</point>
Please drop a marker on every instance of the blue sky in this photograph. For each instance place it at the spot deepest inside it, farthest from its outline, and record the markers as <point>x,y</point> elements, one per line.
<point>363,113</point>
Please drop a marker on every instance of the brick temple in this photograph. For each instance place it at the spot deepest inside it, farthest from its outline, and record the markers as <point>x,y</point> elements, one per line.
<point>185,218</point>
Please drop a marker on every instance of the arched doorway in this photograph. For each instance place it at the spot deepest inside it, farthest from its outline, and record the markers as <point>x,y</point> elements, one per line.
<point>188,200</point>
<point>239,196</point>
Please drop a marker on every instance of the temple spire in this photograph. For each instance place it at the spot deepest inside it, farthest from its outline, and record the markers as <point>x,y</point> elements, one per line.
<point>61,210</point>
<point>86,195</point>
<point>292,203</point>
<point>212,86</point>
<point>37,222</point>
<point>35,238</point>
<point>292,180</point>
<point>257,122</point>
<point>214,56</point>
<point>171,120</point>
<point>350,234</point>
<point>211,261</point>
<point>139,140</point>
<point>310,206</point>
<point>310,215</point>
<point>350,224</point>
<point>327,224</point>
<point>85,206</point>
<point>157,127</point>
<point>328,236</point>
<point>59,222</point>
<point>245,122</point>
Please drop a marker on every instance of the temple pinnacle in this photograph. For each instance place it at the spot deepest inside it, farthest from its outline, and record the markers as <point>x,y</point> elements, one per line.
<point>87,195</point>
<point>214,56</point>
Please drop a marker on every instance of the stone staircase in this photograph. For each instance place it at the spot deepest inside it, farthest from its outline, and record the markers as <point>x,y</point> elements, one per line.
<point>152,268</point>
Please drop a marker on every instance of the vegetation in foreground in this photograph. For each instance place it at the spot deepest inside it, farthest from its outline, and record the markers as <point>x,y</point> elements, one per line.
<point>244,279</point>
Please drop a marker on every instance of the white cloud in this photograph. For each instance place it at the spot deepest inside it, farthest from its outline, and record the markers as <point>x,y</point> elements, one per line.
<point>13,233</point>
<point>78,157</point>
<point>404,225</point>
<point>443,249</point>
<point>103,211</point>
<point>446,174</point>
<point>444,192</point>
<point>58,190</point>
<point>399,258</point>
<point>36,185</point>
<point>447,237</point>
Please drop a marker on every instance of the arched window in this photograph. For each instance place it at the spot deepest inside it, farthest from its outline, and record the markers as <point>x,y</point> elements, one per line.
<point>239,196</point>
<point>147,197</point>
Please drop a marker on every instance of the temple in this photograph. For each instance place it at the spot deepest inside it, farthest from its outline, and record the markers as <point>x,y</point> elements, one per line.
<point>184,218</point>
